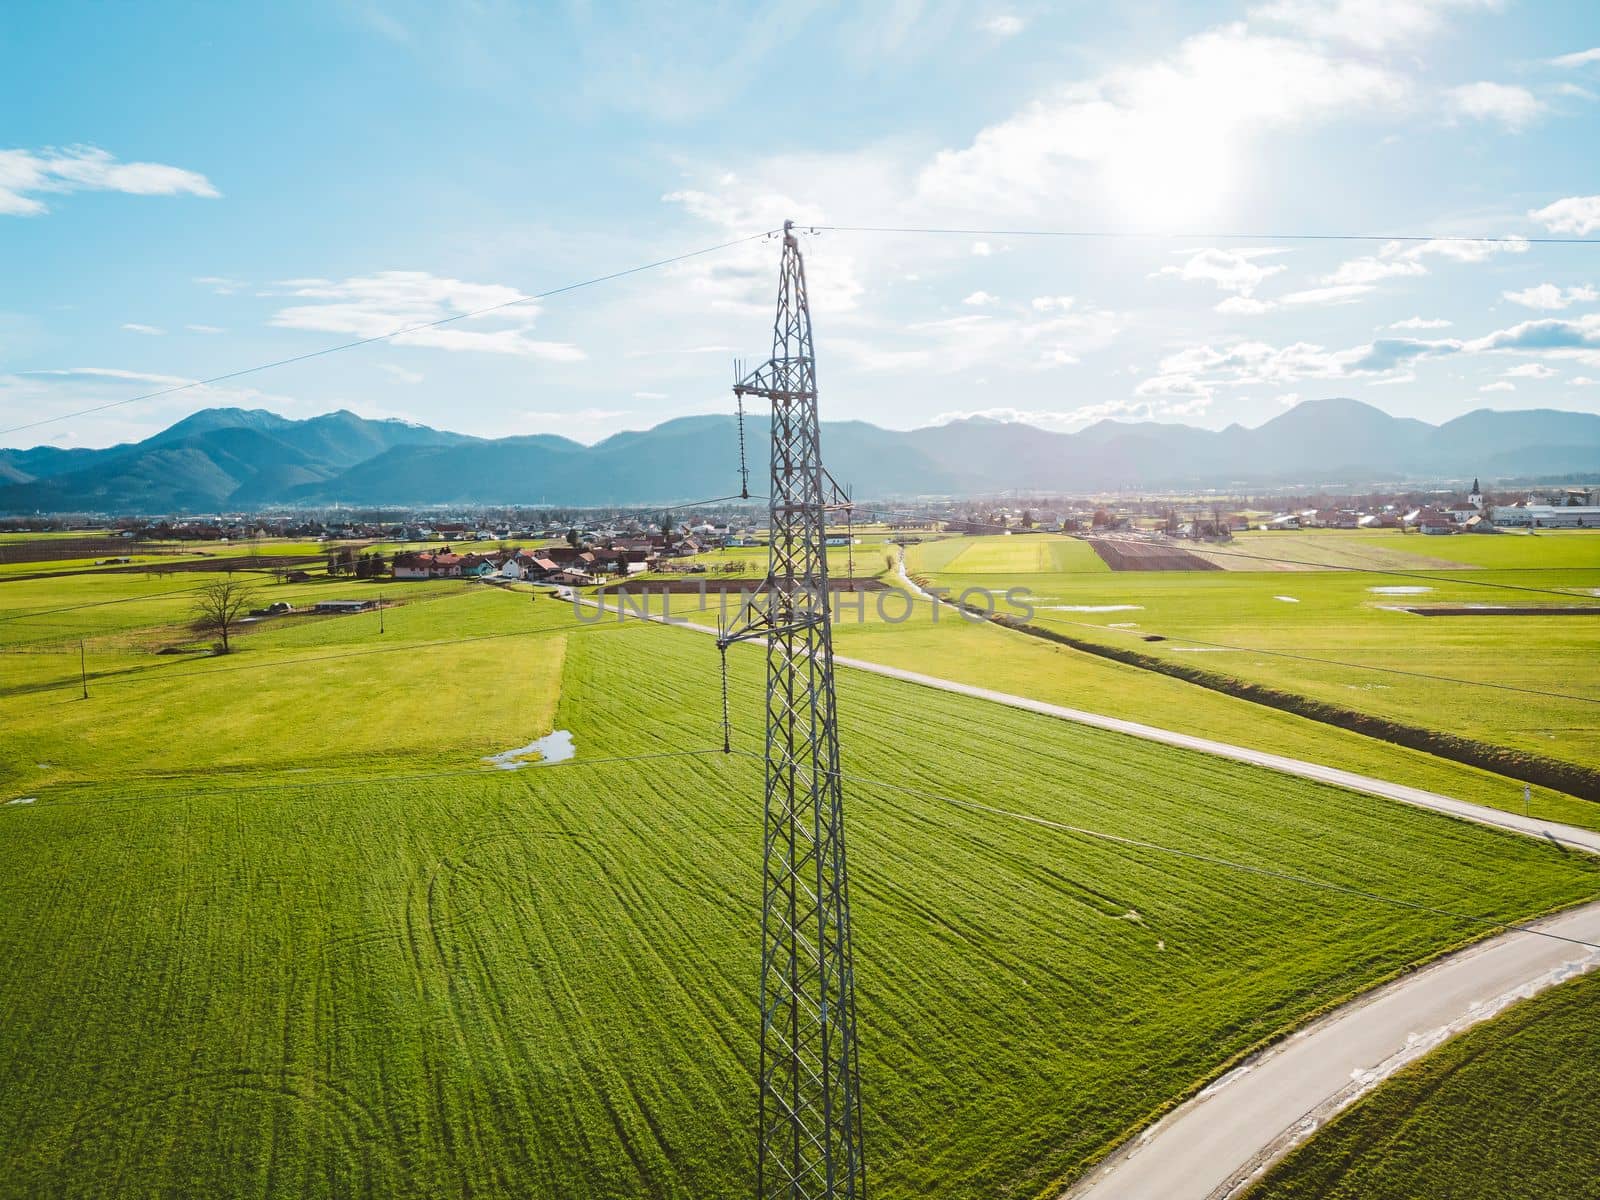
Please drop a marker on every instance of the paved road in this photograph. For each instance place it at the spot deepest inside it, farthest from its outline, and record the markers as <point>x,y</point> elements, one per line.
<point>1222,1139</point>
<point>1569,835</point>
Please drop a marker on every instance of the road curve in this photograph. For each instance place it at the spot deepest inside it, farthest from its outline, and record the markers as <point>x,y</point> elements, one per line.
<point>1220,1141</point>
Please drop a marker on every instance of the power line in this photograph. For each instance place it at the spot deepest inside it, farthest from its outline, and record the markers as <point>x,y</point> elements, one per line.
<point>393,333</point>
<point>1106,234</point>
<point>699,503</point>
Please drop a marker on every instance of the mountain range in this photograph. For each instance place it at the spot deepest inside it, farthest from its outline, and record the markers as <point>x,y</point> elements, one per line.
<point>229,459</point>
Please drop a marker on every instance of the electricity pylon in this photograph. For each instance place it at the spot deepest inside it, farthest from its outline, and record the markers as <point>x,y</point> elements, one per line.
<point>809,1131</point>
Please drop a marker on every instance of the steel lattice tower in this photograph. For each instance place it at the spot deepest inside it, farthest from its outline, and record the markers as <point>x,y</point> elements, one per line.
<point>810,1098</point>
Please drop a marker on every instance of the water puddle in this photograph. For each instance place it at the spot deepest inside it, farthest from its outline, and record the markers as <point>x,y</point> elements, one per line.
<point>1094,607</point>
<point>1399,591</point>
<point>22,800</point>
<point>1287,599</point>
<point>552,748</point>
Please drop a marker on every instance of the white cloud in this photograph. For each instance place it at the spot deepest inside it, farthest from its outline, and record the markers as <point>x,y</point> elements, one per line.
<point>205,329</point>
<point>1289,399</point>
<point>1003,25</point>
<point>741,280</point>
<point>1343,293</point>
<point>1421,323</point>
<point>403,374</point>
<point>1575,214</point>
<point>27,174</point>
<point>1164,139</point>
<point>1499,386</point>
<point>1175,385</point>
<point>1584,381</point>
<point>1531,371</point>
<point>979,339</point>
<point>1066,420</point>
<point>1244,306</point>
<point>1579,59</point>
<point>1462,250</point>
<point>982,249</point>
<point>1044,304</point>
<point>1552,298</point>
<point>220,284</point>
<point>368,306</point>
<point>1230,270</point>
<point>135,327</point>
<point>1367,24</point>
<point>1370,270</point>
<point>113,373</point>
<point>1512,106</point>
<point>1561,338</point>
<point>650,396</point>
<point>981,299</point>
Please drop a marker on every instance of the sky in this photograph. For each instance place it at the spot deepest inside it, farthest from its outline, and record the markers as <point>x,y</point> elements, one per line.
<point>189,190</point>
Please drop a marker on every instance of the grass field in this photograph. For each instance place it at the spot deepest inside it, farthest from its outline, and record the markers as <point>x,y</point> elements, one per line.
<point>272,928</point>
<point>987,656</point>
<point>1507,1111</point>
<point>1529,683</point>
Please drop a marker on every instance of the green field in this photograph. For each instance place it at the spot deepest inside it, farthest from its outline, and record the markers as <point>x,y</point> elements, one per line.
<point>985,655</point>
<point>272,927</point>
<point>1507,1111</point>
<point>1528,683</point>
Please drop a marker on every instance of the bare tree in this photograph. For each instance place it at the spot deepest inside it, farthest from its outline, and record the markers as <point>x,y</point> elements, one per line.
<point>219,605</point>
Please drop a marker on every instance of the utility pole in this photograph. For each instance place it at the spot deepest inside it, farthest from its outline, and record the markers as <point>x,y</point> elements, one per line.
<point>83,669</point>
<point>809,1111</point>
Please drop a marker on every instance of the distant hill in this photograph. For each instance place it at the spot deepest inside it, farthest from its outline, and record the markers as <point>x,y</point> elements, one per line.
<point>229,458</point>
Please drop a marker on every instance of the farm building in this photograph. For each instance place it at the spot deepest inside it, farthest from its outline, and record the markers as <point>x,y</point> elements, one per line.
<point>345,606</point>
<point>1548,516</point>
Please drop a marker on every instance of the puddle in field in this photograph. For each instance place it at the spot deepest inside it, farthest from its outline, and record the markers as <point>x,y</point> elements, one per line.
<point>1287,599</point>
<point>22,800</point>
<point>1094,607</point>
<point>1123,625</point>
<point>1399,591</point>
<point>552,748</point>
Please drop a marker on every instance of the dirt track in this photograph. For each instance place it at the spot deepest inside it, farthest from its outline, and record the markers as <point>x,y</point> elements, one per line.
<point>1133,554</point>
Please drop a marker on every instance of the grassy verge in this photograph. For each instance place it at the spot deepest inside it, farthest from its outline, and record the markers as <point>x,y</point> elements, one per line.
<point>1572,778</point>
<point>1507,1111</point>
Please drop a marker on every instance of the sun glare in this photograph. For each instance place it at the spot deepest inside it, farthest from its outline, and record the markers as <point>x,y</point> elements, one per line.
<point>1173,169</point>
